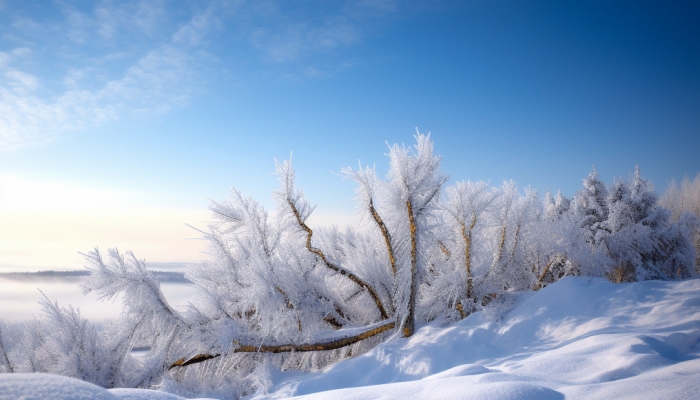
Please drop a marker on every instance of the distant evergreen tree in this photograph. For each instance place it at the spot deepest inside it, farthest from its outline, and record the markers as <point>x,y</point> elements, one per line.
<point>636,236</point>
<point>590,208</point>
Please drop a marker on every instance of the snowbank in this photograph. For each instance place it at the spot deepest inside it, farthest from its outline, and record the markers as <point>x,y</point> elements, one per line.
<point>54,387</point>
<point>578,338</point>
<point>45,386</point>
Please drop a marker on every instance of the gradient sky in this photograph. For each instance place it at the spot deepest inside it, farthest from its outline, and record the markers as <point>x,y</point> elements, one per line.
<point>118,119</point>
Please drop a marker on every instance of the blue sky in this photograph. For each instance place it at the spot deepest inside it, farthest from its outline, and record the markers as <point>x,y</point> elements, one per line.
<point>118,116</point>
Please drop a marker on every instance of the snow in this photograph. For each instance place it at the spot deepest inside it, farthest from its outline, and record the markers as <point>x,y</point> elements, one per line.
<point>45,386</point>
<point>578,338</point>
<point>143,394</point>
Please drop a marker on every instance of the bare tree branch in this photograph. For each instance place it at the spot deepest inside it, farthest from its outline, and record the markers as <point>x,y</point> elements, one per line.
<point>334,267</point>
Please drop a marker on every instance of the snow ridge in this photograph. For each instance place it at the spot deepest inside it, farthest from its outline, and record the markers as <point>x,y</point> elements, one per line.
<point>577,338</point>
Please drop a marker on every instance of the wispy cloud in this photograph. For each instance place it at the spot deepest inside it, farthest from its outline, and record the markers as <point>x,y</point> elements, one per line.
<point>291,40</point>
<point>76,66</point>
<point>155,83</point>
<point>154,80</point>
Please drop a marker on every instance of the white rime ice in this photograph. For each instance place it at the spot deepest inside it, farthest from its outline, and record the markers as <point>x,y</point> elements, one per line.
<point>276,295</point>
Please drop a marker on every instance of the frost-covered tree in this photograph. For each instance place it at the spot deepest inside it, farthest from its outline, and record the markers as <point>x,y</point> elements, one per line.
<point>5,364</point>
<point>555,208</point>
<point>410,198</point>
<point>147,317</point>
<point>681,199</point>
<point>630,236</point>
<point>64,343</point>
<point>552,242</point>
<point>467,206</point>
<point>487,248</point>
<point>590,208</point>
<point>277,286</point>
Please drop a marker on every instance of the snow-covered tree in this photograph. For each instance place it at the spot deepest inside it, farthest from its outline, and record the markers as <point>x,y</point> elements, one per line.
<point>555,208</point>
<point>590,208</point>
<point>467,207</point>
<point>630,236</point>
<point>681,199</point>
<point>6,365</point>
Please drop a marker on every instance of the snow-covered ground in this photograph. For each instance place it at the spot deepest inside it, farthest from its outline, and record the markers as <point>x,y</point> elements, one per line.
<point>578,338</point>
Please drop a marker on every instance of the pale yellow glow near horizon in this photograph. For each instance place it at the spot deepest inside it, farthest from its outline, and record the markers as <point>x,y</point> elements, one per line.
<point>44,225</point>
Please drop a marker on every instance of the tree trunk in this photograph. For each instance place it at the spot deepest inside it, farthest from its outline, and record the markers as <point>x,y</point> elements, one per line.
<point>467,235</point>
<point>408,324</point>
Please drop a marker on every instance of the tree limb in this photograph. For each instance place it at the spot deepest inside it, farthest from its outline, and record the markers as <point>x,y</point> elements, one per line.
<point>385,233</point>
<point>336,268</point>
<point>287,348</point>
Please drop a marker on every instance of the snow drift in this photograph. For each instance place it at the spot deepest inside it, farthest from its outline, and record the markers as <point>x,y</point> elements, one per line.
<point>577,338</point>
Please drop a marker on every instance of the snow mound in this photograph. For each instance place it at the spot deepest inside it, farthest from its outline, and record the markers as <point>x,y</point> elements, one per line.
<point>577,338</point>
<point>45,386</point>
<point>453,388</point>
<point>143,394</point>
<point>55,387</point>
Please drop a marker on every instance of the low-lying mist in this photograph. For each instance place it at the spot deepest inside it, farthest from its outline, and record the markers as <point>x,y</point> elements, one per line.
<point>20,294</point>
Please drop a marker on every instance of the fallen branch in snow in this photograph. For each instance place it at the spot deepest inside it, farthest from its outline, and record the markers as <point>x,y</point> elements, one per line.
<point>287,348</point>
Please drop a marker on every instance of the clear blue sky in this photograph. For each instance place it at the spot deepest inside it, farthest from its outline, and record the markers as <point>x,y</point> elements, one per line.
<point>173,102</point>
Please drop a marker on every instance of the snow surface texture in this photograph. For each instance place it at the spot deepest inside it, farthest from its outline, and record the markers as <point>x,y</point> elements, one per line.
<point>45,386</point>
<point>577,338</point>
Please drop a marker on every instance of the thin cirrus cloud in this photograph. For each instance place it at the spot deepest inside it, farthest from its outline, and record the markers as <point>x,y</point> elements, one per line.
<point>293,40</point>
<point>153,84</point>
<point>33,109</point>
<point>72,68</point>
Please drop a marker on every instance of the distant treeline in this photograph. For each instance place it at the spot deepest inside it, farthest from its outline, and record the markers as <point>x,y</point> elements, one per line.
<point>161,276</point>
